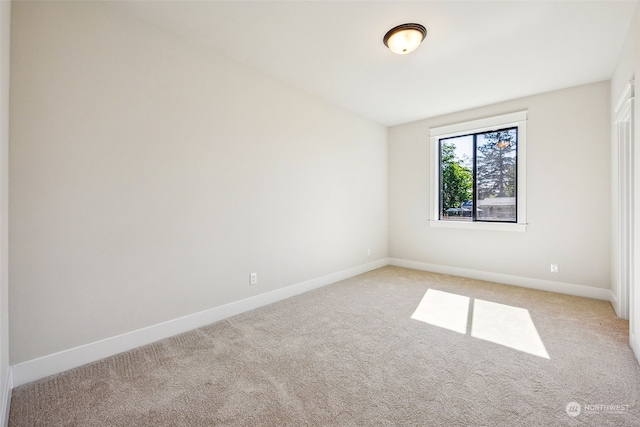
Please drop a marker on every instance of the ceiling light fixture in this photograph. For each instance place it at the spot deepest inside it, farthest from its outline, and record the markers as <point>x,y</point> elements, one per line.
<point>404,38</point>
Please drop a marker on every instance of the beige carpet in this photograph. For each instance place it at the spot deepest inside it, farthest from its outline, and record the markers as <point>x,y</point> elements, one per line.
<point>350,354</point>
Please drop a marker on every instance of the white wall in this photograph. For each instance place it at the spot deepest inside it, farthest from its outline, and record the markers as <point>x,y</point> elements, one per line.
<point>568,175</point>
<point>149,176</point>
<point>628,60</point>
<point>5,384</point>
<point>628,68</point>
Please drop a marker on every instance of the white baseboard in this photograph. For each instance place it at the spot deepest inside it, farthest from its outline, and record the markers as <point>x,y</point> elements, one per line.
<point>525,282</point>
<point>635,345</point>
<point>58,362</point>
<point>41,367</point>
<point>615,302</point>
<point>6,399</point>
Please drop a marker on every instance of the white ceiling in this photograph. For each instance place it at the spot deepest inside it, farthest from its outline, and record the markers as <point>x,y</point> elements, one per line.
<point>475,53</point>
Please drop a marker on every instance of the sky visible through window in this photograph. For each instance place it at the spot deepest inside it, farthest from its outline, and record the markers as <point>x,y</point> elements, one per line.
<point>464,149</point>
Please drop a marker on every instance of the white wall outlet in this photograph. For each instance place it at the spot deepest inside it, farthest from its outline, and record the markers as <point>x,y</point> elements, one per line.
<point>253,279</point>
<point>554,268</point>
<point>368,251</point>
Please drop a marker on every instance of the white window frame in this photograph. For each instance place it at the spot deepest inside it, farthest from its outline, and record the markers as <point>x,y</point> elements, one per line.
<point>517,119</point>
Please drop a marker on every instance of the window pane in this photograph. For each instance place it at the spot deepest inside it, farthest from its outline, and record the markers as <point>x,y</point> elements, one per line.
<point>496,175</point>
<point>456,178</point>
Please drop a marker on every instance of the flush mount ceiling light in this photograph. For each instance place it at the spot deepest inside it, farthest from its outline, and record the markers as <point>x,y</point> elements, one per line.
<point>404,38</point>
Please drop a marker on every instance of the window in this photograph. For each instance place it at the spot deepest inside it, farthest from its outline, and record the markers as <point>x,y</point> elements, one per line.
<point>478,174</point>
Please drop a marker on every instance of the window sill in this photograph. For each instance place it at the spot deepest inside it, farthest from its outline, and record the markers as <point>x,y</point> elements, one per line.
<point>468,225</point>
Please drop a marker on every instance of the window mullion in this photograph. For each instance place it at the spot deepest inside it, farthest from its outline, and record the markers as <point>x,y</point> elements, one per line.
<point>440,180</point>
<point>474,190</point>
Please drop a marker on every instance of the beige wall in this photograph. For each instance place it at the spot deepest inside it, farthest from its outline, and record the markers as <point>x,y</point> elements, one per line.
<point>150,176</point>
<point>5,20</point>
<point>627,65</point>
<point>568,176</point>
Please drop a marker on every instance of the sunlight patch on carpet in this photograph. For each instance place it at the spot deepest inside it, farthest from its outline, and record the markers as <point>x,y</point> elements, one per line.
<point>497,323</point>
<point>443,309</point>
<point>508,326</point>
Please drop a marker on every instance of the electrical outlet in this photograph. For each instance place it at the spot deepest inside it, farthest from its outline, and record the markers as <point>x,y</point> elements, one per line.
<point>253,279</point>
<point>554,268</point>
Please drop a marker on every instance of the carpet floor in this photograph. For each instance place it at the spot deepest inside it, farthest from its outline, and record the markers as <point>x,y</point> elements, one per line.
<point>390,347</point>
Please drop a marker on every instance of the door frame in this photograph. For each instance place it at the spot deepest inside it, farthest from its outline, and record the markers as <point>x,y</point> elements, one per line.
<point>624,160</point>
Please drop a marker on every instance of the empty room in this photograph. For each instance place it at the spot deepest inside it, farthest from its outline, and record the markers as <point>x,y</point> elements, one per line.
<point>319,213</point>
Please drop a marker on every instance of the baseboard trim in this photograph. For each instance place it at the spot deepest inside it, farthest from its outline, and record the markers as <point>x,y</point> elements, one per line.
<point>615,302</point>
<point>67,359</point>
<point>525,282</point>
<point>41,367</point>
<point>635,345</point>
<point>6,399</point>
